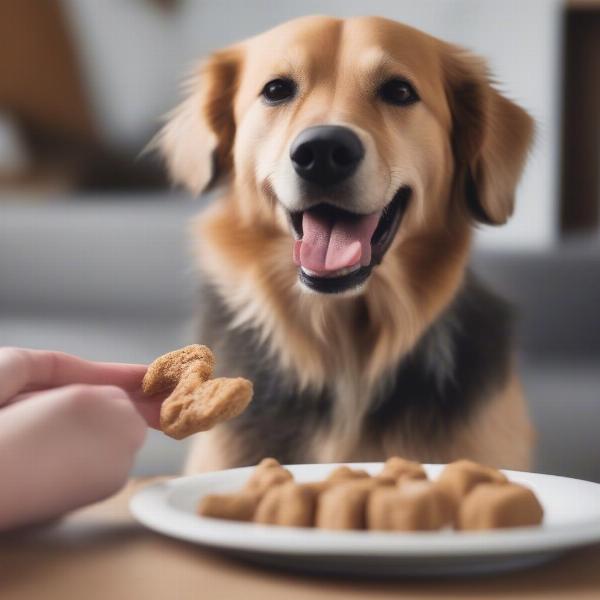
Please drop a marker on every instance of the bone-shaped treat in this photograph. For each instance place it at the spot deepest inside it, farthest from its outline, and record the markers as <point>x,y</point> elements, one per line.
<point>343,506</point>
<point>196,402</point>
<point>402,469</point>
<point>462,476</point>
<point>494,505</point>
<point>415,505</point>
<point>242,505</point>
<point>290,504</point>
<point>466,496</point>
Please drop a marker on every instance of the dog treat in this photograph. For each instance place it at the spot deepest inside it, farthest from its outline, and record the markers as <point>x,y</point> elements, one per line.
<point>196,403</point>
<point>167,370</point>
<point>460,477</point>
<point>233,507</point>
<point>192,408</point>
<point>290,504</point>
<point>344,473</point>
<point>401,469</point>
<point>318,486</point>
<point>241,506</point>
<point>493,505</point>
<point>416,505</point>
<point>466,496</point>
<point>266,463</point>
<point>343,506</point>
<point>268,473</point>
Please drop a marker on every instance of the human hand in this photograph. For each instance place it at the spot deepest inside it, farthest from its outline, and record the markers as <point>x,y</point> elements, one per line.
<point>69,431</point>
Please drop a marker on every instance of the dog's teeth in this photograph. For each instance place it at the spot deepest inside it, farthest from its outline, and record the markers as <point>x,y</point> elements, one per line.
<point>338,273</point>
<point>345,270</point>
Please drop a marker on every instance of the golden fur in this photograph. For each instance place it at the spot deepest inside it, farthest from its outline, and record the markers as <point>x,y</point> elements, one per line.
<point>463,130</point>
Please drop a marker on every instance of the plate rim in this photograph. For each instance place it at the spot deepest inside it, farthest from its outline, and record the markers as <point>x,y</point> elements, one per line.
<point>150,506</point>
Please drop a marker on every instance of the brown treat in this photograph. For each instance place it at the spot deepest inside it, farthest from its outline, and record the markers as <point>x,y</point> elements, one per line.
<point>343,505</point>
<point>166,371</point>
<point>343,473</point>
<point>267,463</point>
<point>400,468</point>
<point>268,473</point>
<point>272,478</point>
<point>290,504</point>
<point>415,506</point>
<point>318,486</point>
<point>356,476</point>
<point>493,505</point>
<point>400,498</point>
<point>384,480</point>
<point>197,405</point>
<point>234,507</point>
<point>460,477</point>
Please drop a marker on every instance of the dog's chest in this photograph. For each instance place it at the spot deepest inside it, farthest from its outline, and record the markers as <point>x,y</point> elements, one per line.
<point>428,394</point>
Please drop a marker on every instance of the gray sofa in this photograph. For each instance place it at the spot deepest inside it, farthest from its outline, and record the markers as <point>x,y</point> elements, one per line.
<point>112,279</point>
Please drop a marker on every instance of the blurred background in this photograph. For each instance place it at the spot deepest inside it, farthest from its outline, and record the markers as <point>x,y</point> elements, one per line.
<point>93,253</point>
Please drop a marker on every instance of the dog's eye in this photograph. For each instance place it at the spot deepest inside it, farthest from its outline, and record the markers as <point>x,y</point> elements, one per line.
<point>278,90</point>
<point>398,92</point>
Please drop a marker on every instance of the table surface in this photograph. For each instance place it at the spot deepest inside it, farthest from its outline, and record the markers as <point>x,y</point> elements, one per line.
<point>100,552</point>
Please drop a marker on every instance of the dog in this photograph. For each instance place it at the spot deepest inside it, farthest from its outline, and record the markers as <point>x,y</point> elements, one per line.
<point>355,158</point>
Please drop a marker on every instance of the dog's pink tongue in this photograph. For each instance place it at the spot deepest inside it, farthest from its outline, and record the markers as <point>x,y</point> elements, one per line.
<point>330,244</point>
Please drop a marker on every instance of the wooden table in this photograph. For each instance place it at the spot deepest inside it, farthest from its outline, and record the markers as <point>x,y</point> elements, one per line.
<point>101,553</point>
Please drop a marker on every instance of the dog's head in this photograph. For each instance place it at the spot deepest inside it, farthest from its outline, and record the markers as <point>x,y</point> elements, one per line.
<point>350,135</point>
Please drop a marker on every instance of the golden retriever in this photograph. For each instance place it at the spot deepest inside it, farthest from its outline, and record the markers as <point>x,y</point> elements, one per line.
<point>355,157</point>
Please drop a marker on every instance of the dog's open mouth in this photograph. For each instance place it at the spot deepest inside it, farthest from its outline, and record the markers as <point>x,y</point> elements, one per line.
<point>335,250</point>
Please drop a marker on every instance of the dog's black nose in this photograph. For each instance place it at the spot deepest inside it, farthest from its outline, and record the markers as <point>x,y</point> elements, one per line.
<point>326,154</point>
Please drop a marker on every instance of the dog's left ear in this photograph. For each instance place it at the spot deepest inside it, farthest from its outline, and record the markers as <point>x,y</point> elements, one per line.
<point>197,139</point>
<point>491,137</point>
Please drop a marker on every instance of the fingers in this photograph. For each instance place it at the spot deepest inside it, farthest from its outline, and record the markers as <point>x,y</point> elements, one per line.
<point>68,447</point>
<point>23,370</point>
<point>149,409</point>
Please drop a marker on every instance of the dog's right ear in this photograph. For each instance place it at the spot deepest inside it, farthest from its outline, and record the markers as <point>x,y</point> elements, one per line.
<point>197,139</point>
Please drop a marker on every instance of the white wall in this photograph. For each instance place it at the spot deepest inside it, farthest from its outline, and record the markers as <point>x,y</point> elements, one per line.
<point>136,56</point>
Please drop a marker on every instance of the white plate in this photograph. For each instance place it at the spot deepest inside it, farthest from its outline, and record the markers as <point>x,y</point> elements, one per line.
<point>572,519</point>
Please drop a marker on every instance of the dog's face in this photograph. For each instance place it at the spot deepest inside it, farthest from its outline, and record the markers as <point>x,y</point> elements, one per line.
<point>350,136</point>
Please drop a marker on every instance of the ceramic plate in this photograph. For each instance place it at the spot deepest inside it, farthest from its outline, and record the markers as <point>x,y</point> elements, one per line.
<point>571,519</point>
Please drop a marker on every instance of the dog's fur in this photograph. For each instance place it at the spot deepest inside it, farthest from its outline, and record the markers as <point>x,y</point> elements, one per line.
<point>418,361</point>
